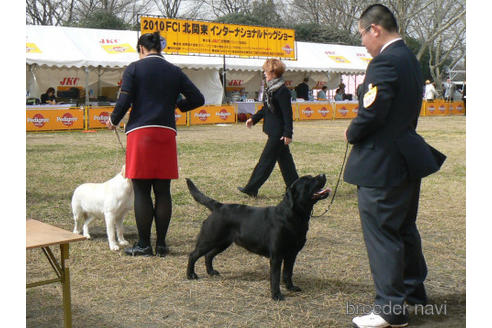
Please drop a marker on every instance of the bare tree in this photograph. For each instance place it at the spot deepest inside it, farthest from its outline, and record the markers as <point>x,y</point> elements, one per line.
<point>309,11</point>
<point>339,14</point>
<point>447,45</point>
<point>221,8</point>
<point>168,8</point>
<point>49,12</point>
<point>87,7</point>
<point>127,10</point>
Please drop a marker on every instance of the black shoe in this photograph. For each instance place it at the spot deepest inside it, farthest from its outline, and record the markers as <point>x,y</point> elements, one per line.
<point>137,250</point>
<point>161,251</point>
<point>249,193</point>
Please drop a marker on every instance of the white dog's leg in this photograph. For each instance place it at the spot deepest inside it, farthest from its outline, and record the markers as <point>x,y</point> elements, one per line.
<point>110,225</point>
<point>88,220</point>
<point>120,229</point>
<point>78,219</point>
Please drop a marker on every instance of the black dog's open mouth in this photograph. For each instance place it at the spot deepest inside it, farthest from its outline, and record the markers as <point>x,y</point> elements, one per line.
<point>322,194</point>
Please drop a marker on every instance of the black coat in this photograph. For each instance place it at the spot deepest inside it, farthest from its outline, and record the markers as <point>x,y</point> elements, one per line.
<point>302,91</point>
<point>151,86</point>
<point>386,148</point>
<point>277,123</point>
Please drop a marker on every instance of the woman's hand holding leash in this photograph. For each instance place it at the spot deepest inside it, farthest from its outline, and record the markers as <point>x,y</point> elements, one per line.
<point>110,125</point>
<point>249,123</point>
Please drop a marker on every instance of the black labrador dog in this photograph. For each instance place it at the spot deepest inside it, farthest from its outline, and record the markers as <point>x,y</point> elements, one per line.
<point>276,232</point>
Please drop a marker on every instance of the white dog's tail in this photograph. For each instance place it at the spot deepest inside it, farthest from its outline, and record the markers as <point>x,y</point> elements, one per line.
<point>210,203</point>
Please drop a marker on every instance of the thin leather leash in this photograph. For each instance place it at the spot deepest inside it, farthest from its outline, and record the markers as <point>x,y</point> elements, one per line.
<point>336,187</point>
<point>119,140</point>
<point>121,144</point>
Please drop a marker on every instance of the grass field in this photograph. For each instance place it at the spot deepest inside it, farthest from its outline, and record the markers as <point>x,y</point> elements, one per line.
<point>110,289</point>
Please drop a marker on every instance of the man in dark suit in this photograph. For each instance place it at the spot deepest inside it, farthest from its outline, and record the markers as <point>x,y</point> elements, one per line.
<point>302,89</point>
<point>387,161</point>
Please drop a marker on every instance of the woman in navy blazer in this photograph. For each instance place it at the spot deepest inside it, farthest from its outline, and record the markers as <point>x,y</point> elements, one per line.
<point>151,86</point>
<point>277,124</point>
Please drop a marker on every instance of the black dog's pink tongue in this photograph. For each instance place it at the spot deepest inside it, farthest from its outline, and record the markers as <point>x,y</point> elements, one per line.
<point>322,192</point>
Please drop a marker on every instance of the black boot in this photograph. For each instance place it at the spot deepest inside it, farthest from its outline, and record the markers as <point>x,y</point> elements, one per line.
<point>161,250</point>
<point>138,250</point>
<point>249,193</point>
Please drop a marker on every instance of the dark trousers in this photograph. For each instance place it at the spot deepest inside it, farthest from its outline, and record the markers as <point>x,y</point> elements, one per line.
<point>398,267</point>
<point>146,212</point>
<point>275,151</point>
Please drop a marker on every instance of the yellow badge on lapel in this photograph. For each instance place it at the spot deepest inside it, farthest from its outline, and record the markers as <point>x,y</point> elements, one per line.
<point>370,96</point>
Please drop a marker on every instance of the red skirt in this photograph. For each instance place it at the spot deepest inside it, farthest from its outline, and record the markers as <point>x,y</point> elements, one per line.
<point>151,153</point>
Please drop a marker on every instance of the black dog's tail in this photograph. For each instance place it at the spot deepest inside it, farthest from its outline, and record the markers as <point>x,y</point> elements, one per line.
<point>210,203</point>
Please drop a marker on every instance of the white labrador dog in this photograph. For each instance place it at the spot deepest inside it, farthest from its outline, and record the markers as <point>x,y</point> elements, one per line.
<point>110,200</point>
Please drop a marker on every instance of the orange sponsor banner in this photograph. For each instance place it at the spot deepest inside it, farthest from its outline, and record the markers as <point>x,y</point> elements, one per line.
<point>456,108</point>
<point>315,112</point>
<point>98,116</point>
<point>213,115</point>
<point>443,108</point>
<point>436,108</point>
<point>430,108</point>
<point>422,108</point>
<point>346,110</point>
<point>54,119</point>
<point>295,107</point>
<point>180,117</point>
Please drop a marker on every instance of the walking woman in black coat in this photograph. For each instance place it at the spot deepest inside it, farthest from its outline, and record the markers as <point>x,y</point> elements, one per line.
<point>277,124</point>
<point>151,86</point>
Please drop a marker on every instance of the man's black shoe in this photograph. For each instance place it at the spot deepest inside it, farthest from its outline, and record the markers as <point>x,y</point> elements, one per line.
<point>161,251</point>
<point>137,250</point>
<point>249,193</point>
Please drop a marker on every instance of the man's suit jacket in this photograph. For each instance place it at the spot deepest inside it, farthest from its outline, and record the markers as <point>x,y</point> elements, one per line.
<point>277,122</point>
<point>386,148</point>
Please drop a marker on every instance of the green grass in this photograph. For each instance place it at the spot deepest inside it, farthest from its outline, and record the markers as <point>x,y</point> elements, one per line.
<point>110,289</point>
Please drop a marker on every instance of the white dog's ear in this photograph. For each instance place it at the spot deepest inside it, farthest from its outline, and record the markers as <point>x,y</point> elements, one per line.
<point>123,171</point>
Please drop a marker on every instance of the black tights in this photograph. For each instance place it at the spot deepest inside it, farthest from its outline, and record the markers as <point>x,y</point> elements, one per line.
<point>145,211</point>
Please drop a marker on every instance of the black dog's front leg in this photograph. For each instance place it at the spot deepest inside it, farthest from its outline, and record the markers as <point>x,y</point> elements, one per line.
<point>287,272</point>
<point>275,266</point>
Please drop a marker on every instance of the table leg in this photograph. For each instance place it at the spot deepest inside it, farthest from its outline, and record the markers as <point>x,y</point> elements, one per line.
<point>67,304</point>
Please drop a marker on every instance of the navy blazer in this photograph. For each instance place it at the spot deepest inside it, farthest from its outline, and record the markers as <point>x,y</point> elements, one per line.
<point>151,86</point>
<point>386,147</point>
<point>277,122</point>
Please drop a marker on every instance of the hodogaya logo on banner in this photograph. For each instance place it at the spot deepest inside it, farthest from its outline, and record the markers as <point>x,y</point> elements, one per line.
<point>337,58</point>
<point>199,37</point>
<point>32,48</point>
<point>113,46</point>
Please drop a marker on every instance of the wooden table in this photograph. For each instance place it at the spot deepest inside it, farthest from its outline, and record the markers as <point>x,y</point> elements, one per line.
<point>42,235</point>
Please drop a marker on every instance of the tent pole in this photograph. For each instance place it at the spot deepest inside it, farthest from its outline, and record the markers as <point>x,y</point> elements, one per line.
<point>87,86</point>
<point>224,82</point>
<point>99,81</point>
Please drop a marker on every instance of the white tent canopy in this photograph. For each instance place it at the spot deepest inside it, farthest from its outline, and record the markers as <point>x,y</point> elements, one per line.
<point>95,55</point>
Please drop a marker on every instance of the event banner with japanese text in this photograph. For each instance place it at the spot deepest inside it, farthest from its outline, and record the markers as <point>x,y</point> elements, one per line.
<point>187,37</point>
